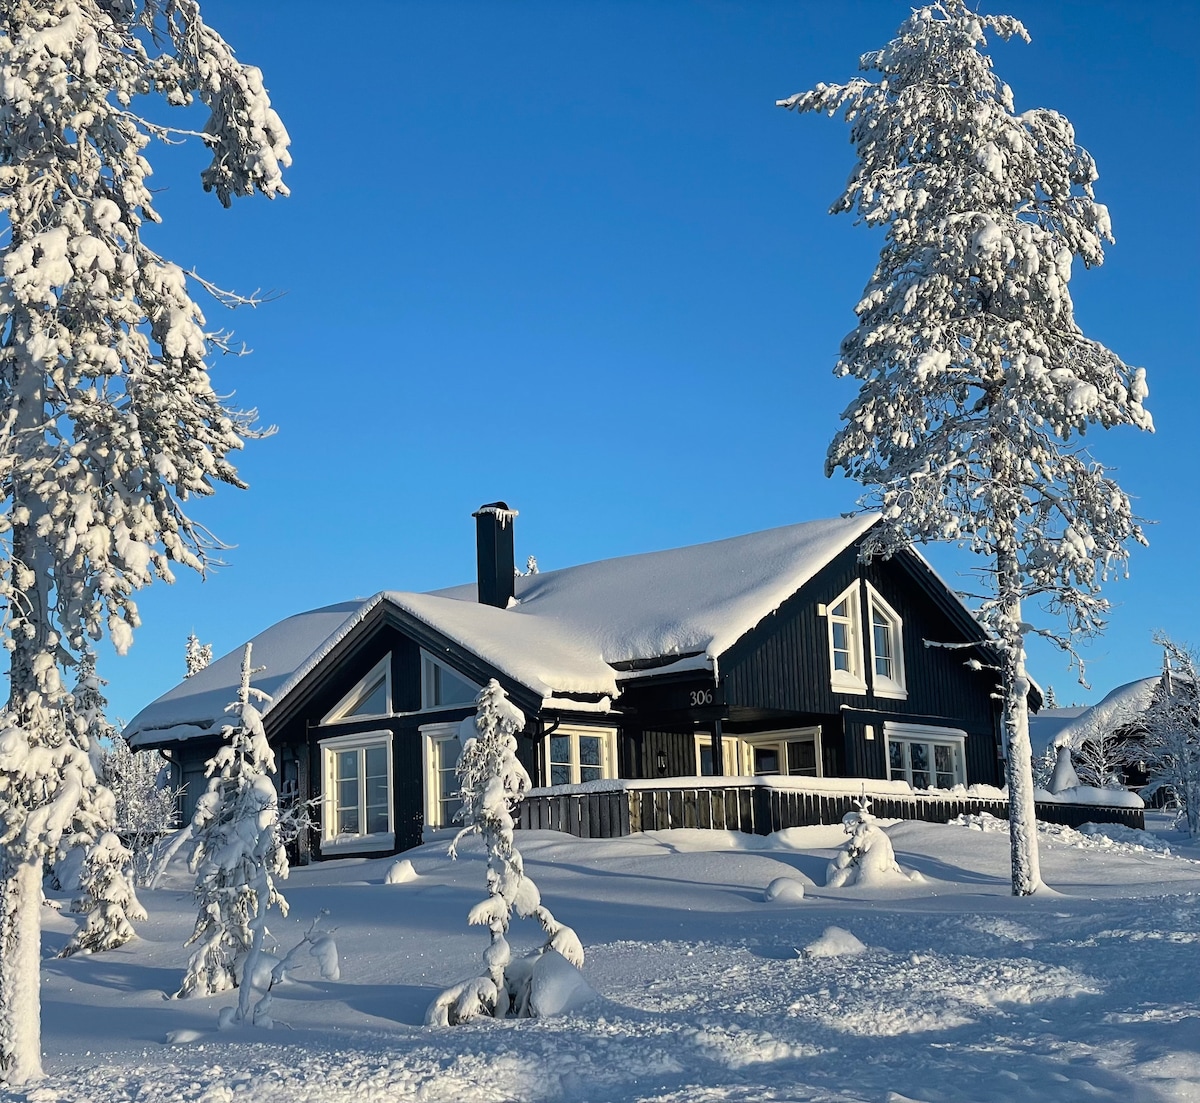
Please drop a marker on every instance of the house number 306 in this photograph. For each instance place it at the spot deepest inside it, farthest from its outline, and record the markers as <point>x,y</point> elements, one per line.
<point>701,697</point>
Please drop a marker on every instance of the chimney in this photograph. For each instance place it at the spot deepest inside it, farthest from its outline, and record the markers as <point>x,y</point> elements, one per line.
<point>494,551</point>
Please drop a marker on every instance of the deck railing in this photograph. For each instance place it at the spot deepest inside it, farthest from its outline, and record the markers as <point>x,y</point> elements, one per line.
<point>758,808</point>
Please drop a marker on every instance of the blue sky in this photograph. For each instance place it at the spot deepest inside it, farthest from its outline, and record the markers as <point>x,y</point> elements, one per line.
<point>570,255</point>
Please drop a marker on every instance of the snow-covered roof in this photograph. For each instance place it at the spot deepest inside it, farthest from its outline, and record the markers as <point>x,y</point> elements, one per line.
<point>568,631</point>
<point>1045,726</point>
<point>1123,705</point>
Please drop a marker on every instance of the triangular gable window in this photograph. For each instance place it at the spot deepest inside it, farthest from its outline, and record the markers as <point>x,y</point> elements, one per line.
<point>443,687</point>
<point>371,697</point>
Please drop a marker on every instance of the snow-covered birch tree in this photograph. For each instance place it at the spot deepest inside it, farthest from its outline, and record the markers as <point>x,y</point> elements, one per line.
<point>238,854</point>
<point>493,781</point>
<point>977,384</point>
<point>109,423</point>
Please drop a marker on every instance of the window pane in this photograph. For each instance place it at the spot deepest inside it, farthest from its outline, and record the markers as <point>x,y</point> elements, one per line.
<point>589,773</point>
<point>589,750</point>
<point>560,750</point>
<point>377,792</point>
<point>374,700</point>
<point>347,820</point>
<point>919,753</point>
<point>449,688</point>
<point>841,609</point>
<point>377,820</point>
<point>883,649</point>
<point>448,751</point>
<point>560,775</point>
<point>450,784</point>
<point>376,762</point>
<point>347,765</point>
<point>896,762</point>
<point>802,757</point>
<point>766,760</point>
<point>943,763</point>
<point>706,759</point>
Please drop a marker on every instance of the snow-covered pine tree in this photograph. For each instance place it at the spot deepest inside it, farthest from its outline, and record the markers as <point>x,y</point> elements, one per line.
<point>868,855</point>
<point>197,655</point>
<point>1051,699</point>
<point>976,380</point>
<point>107,896</point>
<point>1171,742</point>
<point>238,853</point>
<point>108,420</point>
<point>493,781</point>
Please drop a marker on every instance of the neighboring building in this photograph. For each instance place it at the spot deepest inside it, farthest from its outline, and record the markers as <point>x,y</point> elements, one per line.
<point>773,653</point>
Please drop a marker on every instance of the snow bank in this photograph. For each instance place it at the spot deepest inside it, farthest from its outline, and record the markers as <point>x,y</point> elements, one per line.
<point>400,872</point>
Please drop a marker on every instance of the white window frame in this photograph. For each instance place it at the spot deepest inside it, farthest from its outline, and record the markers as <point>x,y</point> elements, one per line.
<point>354,844</point>
<point>907,734</point>
<point>431,735</point>
<point>731,752</point>
<point>339,711</point>
<point>428,662</point>
<point>881,684</point>
<point>608,750</point>
<point>852,680</point>
<point>779,740</point>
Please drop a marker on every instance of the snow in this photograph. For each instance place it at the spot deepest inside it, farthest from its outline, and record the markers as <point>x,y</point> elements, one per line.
<point>834,942</point>
<point>1089,794</point>
<point>1118,708</point>
<point>784,890</point>
<point>1045,726</point>
<point>962,992</point>
<point>563,633</point>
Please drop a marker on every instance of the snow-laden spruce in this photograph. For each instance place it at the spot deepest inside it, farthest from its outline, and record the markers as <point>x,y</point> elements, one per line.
<point>196,656</point>
<point>868,857</point>
<point>1171,739</point>
<point>977,384</point>
<point>107,898</point>
<point>237,854</point>
<point>493,780</point>
<point>109,422</point>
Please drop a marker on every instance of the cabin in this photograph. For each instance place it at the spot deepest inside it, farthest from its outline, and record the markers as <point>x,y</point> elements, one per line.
<point>774,653</point>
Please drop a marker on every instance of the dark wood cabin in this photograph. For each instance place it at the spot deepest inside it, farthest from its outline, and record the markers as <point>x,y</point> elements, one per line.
<point>774,653</point>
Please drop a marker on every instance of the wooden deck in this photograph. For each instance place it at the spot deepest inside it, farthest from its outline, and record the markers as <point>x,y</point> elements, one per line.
<point>759,809</point>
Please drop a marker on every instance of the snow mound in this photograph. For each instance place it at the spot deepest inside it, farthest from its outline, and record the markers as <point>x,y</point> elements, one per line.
<point>1115,838</point>
<point>1106,797</point>
<point>979,821</point>
<point>400,872</point>
<point>557,987</point>
<point>868,858</point>
<point>835,942</point>
<point>736,1048</point>
<point>784,890</point>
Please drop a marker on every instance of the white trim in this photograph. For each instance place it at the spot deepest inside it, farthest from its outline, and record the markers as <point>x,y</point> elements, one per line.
<point>881,684</point>
<point>430,735</point>
<point>907,734</point>
<point>354,844</point>
<point>852,680</point>
<point>428,663</point>
<point>779,740</point>
<point>731,752</point>
<point>608,751</point>
<point>338,713</point>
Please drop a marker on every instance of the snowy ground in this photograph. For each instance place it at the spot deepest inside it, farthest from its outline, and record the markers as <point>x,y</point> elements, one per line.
<point>1088,992</point>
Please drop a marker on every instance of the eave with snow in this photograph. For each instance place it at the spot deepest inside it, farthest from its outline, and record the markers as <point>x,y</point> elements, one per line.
<point>778,652</point>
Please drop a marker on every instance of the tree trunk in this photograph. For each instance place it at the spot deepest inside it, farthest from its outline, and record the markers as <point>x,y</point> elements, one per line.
<point>20,972</point>
<point>1022,817</point>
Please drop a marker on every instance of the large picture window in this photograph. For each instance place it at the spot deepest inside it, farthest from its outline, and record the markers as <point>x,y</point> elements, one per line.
<point>926,757</point>
<point>844,618</point>
<point>887,647</point>
<point>576,755</point>
<point>356,810</point>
